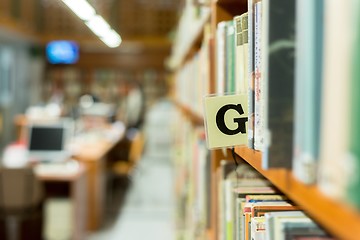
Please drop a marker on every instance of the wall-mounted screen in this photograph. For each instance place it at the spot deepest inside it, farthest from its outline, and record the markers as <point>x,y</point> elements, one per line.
<point>62,52</point>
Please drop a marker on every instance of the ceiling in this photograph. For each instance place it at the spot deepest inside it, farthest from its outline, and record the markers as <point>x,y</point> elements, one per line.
<point>144,25</point>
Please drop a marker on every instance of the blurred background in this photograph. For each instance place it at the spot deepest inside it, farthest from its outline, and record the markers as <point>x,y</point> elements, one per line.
<point>69,88</point>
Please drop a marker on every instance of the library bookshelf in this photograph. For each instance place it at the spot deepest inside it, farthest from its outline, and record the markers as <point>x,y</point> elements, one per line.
<point>336,217</point>
<point>340,219</point>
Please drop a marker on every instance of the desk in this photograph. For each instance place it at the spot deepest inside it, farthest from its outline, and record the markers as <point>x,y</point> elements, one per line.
<point>71,185</point>
<point>92,151</point>
<point>93,156</point>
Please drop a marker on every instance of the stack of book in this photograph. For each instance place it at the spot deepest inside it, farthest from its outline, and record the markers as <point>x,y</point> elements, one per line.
<point>250,207</point>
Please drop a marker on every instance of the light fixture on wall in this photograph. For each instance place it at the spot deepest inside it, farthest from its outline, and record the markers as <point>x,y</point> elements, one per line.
<point>94,22</point>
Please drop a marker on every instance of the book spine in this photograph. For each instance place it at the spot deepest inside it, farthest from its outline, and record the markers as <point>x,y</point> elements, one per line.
<point>229,209</point>
<point>258,134</point>
<point>308,78</point>
<point>258,228</point>
<point>239,55</point>
<point>278,77</point>
<point>334,144</point>
<point>250,73</point>
<point>353,193</point>
<point>238,210</point>
<point>245,42</point>
<point>230,57</point>
<point>220,58</point>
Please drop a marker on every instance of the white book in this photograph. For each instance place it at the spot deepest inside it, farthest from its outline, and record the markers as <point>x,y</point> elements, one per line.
<point>334,165</point>
<point>259,101</point>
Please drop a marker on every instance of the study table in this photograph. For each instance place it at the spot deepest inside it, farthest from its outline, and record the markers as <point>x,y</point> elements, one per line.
<point>91,149</point>
<point>93,155</point>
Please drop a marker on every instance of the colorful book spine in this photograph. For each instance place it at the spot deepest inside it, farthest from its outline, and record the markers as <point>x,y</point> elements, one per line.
<point>220,57</point>
<point>278,75</point>
<point>245,41</point>
<point>308,78</point>
<point>259,101</point>
<point>239,55</point>
<point>230,57</point>
<point>250,73</point>
<point>353,194</point>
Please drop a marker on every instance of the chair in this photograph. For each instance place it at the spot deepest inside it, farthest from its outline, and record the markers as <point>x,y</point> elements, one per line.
<point>21,203</point>
<point>123,168</point>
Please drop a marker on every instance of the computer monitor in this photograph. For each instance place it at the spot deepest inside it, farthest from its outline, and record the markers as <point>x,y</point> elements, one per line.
<point>47,142</point>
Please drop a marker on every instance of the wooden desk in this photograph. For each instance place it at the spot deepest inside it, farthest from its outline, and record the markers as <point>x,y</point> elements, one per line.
<point>93,156</point>
<point>71,185</point>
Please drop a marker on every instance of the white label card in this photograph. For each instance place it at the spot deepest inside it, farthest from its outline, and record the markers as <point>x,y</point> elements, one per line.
<point>226,120</point>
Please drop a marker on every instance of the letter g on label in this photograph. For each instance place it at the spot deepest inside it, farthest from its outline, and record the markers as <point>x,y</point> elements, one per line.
<point>220,120</point>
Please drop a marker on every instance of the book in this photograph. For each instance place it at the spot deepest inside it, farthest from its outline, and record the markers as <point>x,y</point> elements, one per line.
<point>226,168</point>
<point>270,220</point>
<point>220,56</point>
<point>265,198</point>
<point>258,209</point>
<point>258,228</point>
<point>334,163</point>
<point>245,197</point>
<point>290,224</point>
<point>295,228</point>
<point>258,79</point>
<point>250,73</point>
<point>245,42</point>
<point>241,193</point>
<point>311,238</point>
<point>308,78</point>
<point>245,223</point>
<point>239,55</point>
<point>352,191</point>
<point>238,183</point>
<point>230,58</point>
<point>278,75</point>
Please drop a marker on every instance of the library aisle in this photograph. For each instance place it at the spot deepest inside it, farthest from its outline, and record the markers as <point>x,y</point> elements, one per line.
<point>148,209</point>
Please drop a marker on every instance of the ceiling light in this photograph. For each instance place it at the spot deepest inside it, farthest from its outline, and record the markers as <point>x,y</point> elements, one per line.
<point>98,26</point>
<point>111,38</point>
<point>95,22</point>
<point>81,8</point>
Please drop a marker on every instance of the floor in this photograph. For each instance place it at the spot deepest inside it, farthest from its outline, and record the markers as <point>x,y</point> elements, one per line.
<point>143,206</point>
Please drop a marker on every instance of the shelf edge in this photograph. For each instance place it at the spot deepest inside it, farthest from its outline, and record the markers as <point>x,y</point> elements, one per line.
<point>336,217</point>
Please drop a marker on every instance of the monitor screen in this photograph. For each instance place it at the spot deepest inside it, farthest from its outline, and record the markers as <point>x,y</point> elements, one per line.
<point>47,142</point>
<point>46,138</point>
<point>62,52</point>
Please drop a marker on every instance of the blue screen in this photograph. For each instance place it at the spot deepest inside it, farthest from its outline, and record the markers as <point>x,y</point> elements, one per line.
<point>62,52</point>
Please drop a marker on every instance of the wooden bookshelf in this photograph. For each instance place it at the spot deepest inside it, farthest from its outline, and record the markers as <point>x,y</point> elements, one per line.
<point>194,118</point>
<point>184,44</point>
<point>337,218</point>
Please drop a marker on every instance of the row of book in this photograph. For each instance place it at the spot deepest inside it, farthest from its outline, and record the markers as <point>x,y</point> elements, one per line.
<point>192,81</point>
<point>301,78</point>
<point>192,180</point>
<point>194,14</point>
<point>244,204</point>
<point>251,208</point>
